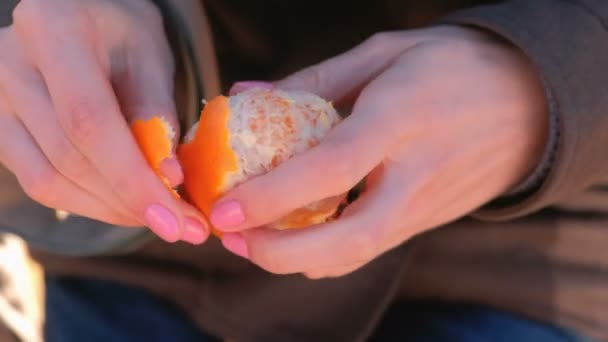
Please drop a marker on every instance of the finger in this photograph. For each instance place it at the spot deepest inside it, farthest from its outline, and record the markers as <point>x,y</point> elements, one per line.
<point>143,82</point>
<point>337,78</point>
<point>90,115</point>
<point>242,86</point>
<point>369,227</point>
<point>195,230</point>
<point>343,242</point>
<point>28,97</point>
<point>172,171</point>
<point>333,272</point>
<point>146,91</point>
<point>354,147</point>
<point>43,183</point>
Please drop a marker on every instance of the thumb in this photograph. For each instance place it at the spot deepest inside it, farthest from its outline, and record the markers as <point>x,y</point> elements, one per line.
<point>145,90</point>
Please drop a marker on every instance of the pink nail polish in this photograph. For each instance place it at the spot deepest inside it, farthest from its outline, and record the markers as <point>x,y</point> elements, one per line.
<point>194,231</point>
<point>236,244</point>
<point>162,222</point>
<point>245,85</point>
<point>227,215</point>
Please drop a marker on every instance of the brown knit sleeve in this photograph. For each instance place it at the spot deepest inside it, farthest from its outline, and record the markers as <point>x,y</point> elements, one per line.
<point>6,11</point>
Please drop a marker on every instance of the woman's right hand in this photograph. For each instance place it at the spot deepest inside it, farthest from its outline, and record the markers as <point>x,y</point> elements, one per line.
<point>73,74</point>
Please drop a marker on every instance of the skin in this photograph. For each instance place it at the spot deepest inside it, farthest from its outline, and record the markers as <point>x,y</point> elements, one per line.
<point>69,85</point>
<point>444,120</point>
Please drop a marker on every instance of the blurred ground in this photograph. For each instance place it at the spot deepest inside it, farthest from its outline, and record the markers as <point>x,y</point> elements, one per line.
<point>21,293</point>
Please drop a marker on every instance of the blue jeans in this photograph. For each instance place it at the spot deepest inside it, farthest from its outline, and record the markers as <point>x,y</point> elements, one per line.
<point>93,310</point>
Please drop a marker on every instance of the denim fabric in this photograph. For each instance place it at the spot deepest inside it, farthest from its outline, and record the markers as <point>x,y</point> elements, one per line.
<point>93,310</point>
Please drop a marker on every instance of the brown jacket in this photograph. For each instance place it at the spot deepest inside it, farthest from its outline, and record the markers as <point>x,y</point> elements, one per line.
<point>542,254</point>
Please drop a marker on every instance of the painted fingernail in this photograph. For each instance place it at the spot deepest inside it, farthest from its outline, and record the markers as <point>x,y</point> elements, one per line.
<point>227,215</point>
<point>244,85</point>
<point>162,222</point>
<point>236,244</point>
<point>195,231</point>
<point>172,170</point>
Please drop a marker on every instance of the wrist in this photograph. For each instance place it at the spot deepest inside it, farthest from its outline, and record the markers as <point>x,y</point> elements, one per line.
<point>536,126</point>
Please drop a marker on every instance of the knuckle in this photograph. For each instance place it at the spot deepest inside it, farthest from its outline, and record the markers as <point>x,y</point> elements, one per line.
<point>41,185</point>
<point>81,122</point>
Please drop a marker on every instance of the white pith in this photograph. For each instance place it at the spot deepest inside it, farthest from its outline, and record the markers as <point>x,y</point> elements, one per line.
<point>256,149</point>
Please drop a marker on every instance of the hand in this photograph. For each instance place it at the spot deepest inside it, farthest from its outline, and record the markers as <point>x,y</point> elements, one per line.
<point>445,120</point>
<point>72,75</point>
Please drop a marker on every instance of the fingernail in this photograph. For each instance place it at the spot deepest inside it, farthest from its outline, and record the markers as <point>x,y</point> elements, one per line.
<point>236,244</point>
<point>227,215</point>
<point>194,231</point>
<point>162,222</point>
<point>172,170</point>
<point>244,85</point>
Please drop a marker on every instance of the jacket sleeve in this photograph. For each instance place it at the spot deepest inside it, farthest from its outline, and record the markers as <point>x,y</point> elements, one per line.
<point>6,10</point>
<point>566,40</point>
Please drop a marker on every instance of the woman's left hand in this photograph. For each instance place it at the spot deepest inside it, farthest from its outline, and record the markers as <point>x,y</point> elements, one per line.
<point>444,120</point>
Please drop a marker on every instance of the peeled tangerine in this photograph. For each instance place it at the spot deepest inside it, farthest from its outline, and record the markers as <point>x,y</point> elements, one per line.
<point>249,134</point>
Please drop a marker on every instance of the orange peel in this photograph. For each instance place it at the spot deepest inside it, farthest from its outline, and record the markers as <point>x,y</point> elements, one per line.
<point>207,158</point>
<point>155,140</point>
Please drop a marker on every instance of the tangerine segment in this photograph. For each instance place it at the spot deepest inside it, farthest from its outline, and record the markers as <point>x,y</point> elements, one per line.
<point>317,213</point>
<point>208,158</point>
